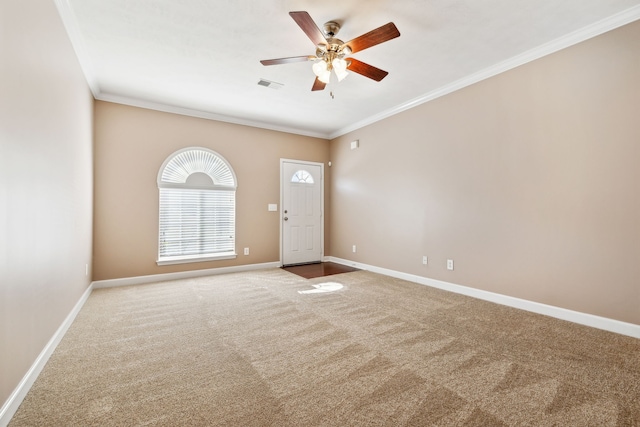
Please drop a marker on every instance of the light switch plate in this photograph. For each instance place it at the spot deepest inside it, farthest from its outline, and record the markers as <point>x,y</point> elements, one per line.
<point>273,207</point>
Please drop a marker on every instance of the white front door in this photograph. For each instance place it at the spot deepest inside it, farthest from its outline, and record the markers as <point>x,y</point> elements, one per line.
<point>301,212</point>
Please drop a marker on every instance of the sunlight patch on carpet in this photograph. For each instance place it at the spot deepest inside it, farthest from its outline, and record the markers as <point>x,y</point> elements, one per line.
<point>323,287</point>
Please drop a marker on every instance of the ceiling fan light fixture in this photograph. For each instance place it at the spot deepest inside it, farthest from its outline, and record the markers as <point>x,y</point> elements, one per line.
<point>340,67</point>
<point>331,51</point>
<point>325,77</point>
<point>322,71</point>
<point>319,67</point>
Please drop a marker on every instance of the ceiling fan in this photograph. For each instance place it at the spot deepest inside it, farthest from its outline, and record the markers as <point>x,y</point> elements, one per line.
<point>331,52</point>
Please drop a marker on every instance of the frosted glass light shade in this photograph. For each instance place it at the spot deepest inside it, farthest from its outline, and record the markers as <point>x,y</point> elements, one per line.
<point>340,67</point>
<point>322,71</point>
<point>319,67</point>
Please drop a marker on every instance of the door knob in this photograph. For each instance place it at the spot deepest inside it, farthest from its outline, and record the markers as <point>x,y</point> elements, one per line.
<point>286,219</point>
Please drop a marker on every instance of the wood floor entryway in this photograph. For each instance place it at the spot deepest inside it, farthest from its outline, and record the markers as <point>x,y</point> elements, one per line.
<point>321,269</point>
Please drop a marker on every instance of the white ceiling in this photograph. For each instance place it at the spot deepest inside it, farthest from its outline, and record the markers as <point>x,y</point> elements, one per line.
<point>201,57</point>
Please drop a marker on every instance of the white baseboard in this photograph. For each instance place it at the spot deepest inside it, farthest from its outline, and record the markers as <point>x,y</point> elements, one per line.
<point>598,322</point>
<point>138,280</point>
<point>15,399</point>
<point>12,404</point>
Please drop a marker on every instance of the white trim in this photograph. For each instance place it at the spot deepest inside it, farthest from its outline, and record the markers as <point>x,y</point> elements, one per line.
<point>12,404</point>
<point>152,278</point>
<point>608,24</point>
<point>187,259</point>
<point>71,26</point>
<point>15,399</point>
<point>156,106</point>
<point>586,319</point>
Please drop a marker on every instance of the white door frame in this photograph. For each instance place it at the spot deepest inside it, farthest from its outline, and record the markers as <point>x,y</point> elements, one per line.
<point>281,210</point>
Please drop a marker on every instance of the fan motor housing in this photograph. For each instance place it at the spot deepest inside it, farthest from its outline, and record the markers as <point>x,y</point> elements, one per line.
<point>331,28</point>
<point>334,47</point>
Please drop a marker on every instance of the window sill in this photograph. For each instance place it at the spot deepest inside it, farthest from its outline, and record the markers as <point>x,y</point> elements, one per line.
<point>196,258</point>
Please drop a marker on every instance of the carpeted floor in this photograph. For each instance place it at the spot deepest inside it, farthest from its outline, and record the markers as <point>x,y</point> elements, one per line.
<point>248,349</point>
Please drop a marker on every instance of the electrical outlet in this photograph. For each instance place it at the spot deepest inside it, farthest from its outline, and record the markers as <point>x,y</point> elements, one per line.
<point>449,264</point>
<point>354,249</point>
<point>424,260</point>
<point>246,251</point>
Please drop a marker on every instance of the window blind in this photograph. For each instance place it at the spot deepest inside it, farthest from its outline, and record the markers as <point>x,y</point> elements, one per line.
<point>196,222</point>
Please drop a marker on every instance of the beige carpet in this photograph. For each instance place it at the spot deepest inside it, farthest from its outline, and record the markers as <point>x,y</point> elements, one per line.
<point>248,349</point>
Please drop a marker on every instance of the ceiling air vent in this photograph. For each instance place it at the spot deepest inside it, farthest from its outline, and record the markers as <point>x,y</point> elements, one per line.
<point>267,83</point>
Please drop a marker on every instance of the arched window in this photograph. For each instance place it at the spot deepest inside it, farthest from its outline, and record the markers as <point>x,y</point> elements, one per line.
<point>197,207</point>
<point>302,176</point>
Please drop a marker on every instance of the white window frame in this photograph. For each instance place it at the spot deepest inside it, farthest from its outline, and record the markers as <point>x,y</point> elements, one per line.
<point>176,190</point>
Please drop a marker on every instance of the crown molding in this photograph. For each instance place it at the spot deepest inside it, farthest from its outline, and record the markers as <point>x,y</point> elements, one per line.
<point>615,21</point>
<point>578,36</point>
<point>73,31</point>
<point>150,105</point>
<point>70,24</point>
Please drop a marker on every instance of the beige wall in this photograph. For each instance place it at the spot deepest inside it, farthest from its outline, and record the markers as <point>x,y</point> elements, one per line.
<point>131,145</point>
<point>45,183</point>
<point>529,181</point>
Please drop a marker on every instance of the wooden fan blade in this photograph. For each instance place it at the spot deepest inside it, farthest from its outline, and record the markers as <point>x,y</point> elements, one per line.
<point>303,19</point>
<point>318,85</point>
<point>366,70</point>
<point>374,37</point>
<point>287,60</point>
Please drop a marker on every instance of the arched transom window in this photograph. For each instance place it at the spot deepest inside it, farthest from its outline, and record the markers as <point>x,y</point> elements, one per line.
<point>302,176</point>
<point>197,207</point>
